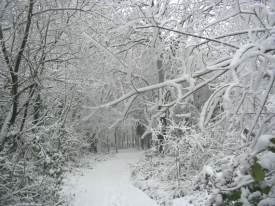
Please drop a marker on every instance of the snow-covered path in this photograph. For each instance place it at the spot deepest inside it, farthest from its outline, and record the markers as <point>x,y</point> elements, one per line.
<point>108,184</point>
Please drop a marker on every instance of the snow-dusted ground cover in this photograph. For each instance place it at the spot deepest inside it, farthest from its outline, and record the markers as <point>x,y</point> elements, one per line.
<point>246,179</point>
<point>151,176</point>
<point>106,184</point>
<point>157,176</point>
<point>194,199</point>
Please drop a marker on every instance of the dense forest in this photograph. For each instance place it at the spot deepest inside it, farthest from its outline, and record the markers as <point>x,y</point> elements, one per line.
<point>190,83</point>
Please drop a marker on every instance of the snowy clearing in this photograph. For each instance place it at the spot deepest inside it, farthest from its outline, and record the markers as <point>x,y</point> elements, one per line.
<point>108,184</point>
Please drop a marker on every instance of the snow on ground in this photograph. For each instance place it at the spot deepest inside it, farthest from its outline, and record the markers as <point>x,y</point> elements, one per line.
<point>195,199</point>
<point>157,176</point>
<point>107,184</point>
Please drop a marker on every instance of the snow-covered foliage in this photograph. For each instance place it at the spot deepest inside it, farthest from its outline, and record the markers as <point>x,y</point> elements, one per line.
<point>37,134</point>
<point>197,75</point>
<point>236,122</point>
<point>244,179</point>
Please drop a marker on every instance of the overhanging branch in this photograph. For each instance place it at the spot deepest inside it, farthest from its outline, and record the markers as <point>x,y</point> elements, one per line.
<point>190,34</point>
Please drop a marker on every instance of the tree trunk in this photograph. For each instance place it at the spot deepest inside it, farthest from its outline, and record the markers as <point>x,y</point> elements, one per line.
<point>14,74</point>
<point>116,140</point>
<point>37,108</point>
<point>31,92</point>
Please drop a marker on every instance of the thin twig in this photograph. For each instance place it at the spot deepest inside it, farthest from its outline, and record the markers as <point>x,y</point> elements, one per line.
<point>190,34</point>
<point>272,76</point>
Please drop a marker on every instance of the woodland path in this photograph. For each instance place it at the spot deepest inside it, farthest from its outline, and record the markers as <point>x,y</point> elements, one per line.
<point>107,184</point>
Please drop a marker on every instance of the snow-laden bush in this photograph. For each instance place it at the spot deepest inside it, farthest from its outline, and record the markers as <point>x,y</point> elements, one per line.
<point>245,179</point>
<point>172,174</point>
<point>32,173</point>
<point>222,156</point>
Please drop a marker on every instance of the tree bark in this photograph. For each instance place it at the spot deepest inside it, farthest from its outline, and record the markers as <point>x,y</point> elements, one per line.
<point>116,140</point>
<point>14,73</point>
<point>31,92</point>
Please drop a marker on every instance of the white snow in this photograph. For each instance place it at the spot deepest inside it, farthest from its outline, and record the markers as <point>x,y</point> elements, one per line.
<point>267,161</point>
<point>198,198</point>
<point>107,184</point>
<point>262,143</point>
